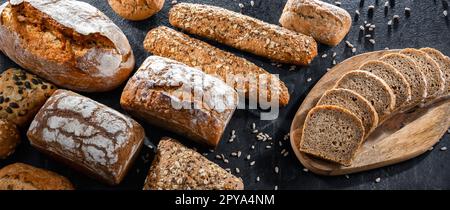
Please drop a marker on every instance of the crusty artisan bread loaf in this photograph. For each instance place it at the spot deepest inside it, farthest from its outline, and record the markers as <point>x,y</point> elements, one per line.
<point>355,103</point>
<point>371,87</point>
<point>244,33</point>
<point>180,98</point>
<point>393,78</point>
<point>70,43</point>
<point>325,22</point>
<point>22,95</point>
<point>433,74</point>
<point>332,133</point>
<point>408,68</point>
<point>136,9</point>
<point>19,176</point>
<point>443,62</point>
<point>9,138</point>
<point>89,136</point>
<point>177,167</point>
<point>166,42</point>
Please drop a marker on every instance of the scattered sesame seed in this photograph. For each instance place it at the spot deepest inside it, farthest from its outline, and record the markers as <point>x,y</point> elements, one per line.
<point>253,126</point>
<point>286,136</point>
<point>283,151</point>
<point>252,3</point>
<point>347,176</point>
<point>276,187</point>
<point>443,148</point>
<point>328,69</point>
<point>253,147</point>
<point>286,154</point>
<point>239,154</point>
<point>305,170</point>
<point>353,50</point>
<point>445,13</point>
<point>255,131</point>
<point>233,132</point>
<point>350,45</point>
<point>324,55</point>
<point>257,179</point>
<point>334,62</point>
<point>334,55</point>
<point>367,25</point>
<point>218,157</point>
<point>238,170</point>
<point>268,147</point>
<point>396,18</point>
<point>226,161</point>
<point>377,180</point>
<point>234,154</point>
<point>280,143</point>
<point>407,11</point>
<point>368,36</point>
<point>357,12</point>
<point>372,41</point>
<point>370,9</point>
<point>174,2</point>
<point>292,68</point>
<point>431,148</point>
<point>248,157</point>
<point>361,28</point>
<point>241,5</point>
<point>309,79</point>
<point>337,3</point>
<point>389,22</point>
<point>276,169</point>
<point>228,169</point>
<point>252,163</point>
<point>386,48</point>
<point>386,4</point>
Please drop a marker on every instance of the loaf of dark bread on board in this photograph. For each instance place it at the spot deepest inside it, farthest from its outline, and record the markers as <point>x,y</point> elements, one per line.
<point>87,135</point>
<point>182,99</point>
<point>69,43</point>
<point>166,42</point>
<point>244,33</point>
<point>177,167</point>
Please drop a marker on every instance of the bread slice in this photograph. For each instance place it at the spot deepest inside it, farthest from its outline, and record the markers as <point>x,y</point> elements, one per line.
<point>332,133</point>
<point>393,78</point>
<point>355,103</point>
<point>431,70</point>
<point>371,87</point>
<point>408,68</point>
<point>443,62</point>
<point>177,167</point>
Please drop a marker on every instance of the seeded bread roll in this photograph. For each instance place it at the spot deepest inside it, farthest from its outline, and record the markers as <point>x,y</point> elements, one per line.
<point>19,176</point>
<point>355,103</point>
<point>244,33</point>
<point>177,167</point>
<point>136,9</point>
<point>9,138</point>
<point>87,135</point>
<point>393,78</point>
<point>371,87</point>
<point>166,42</point>
<point>408,68</point>
<point>332,133</point>
<point>22,95</point>
<point>444,64</point>
<point>69,43</point>
<point>180,98</point>
<point>433,74</point>
<point>325,22</point>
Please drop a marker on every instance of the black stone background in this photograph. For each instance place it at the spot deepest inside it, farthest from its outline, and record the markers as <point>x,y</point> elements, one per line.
<point>426,26</point>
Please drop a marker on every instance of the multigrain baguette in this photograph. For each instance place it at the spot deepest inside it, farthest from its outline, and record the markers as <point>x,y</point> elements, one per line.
<point>166,42</point>
<point>443,62</point>
<point>69,43</point>
<point>244,33</point>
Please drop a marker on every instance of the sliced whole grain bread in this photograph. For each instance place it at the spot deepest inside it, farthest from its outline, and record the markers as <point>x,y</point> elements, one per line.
<point>332,133</point>
<point>408,68</point>
<point>393,78</point>
<point>371,87</point>
<point>433,74</point>
<point>355,103</point>
<point>443,62</point>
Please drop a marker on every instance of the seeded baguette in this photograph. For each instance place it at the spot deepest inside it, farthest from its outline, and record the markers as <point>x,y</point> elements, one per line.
<point>332,133</point>
<point>244,33</point>
<point>393,78</point>
<point>177,167</point>
<point>9,138</point>
<point>166,42</point>
<point>443,62</point>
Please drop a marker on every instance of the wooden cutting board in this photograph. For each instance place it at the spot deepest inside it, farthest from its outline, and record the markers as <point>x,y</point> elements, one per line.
<point>403,136</point>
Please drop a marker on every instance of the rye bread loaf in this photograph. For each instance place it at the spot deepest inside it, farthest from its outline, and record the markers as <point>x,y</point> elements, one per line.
<point>408,68</point>
<point>235,71</point>
<point>393,78</point>
<point>325,22</point>
<point>244,33</point>
<point>443,62</point>
<point>433,74</point>
<point>9,138</point>
<point>372,88</point>
<point>332,133</point>
<point>177,167</point>
<point>355,103</point>
<point>20,176</point>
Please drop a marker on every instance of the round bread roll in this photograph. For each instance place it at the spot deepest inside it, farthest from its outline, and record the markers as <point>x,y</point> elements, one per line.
<point>9,138</point>
<point>136,9</point>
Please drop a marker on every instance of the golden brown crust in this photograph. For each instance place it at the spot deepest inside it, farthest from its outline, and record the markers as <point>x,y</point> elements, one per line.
<point>166,42</point>
<point>9,138</point>
<point>136,9</point>
<point>244,33</point>
<point>177,167</point>
<point>22,95</point>
<point>19,176</point>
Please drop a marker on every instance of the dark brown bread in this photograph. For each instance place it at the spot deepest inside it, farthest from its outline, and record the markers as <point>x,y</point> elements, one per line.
<point>9,138</point>
<point>177,167</point>
<point>244,33</point>
<point>443,62</point>
<point>19,176</point>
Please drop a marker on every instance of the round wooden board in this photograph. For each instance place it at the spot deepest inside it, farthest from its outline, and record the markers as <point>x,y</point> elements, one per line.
<point>401,137</point>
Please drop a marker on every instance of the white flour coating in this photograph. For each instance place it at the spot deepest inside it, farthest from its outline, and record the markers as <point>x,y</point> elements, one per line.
<point>105,62</point>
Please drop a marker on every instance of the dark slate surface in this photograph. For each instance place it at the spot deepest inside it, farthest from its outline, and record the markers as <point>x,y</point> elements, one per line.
<point>425,27</point>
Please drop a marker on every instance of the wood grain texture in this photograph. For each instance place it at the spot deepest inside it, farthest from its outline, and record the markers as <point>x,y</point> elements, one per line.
<point>401,137</point>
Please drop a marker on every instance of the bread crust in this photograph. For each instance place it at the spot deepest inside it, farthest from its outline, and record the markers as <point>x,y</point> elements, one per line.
<point>444,63</point>
<point>9,138</point>
<point>244,33</point>
<point>136,9</point>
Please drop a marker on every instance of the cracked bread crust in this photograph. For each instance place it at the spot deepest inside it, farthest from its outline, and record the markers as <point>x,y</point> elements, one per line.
<point>177,167</point>
<point>244,33</point>
<point>87,135</point>
<point>325,22</point>
<point>166,42</point>
<point>136,9</point>
<point>69,43</point>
